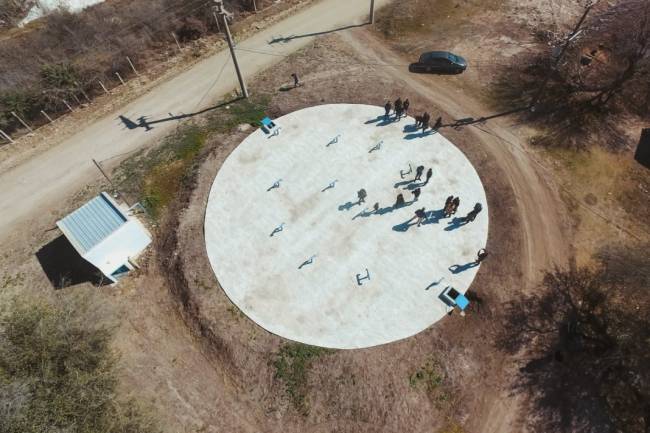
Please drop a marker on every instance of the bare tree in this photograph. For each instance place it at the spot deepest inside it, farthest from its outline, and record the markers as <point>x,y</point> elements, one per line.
<point>583,345</point>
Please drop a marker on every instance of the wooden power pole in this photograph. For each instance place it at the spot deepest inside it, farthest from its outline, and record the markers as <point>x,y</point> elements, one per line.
<point>222,13</point>
<point>372,11</point>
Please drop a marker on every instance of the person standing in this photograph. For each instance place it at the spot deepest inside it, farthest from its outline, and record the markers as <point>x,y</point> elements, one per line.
<point>400,201</point>
<point>420,214</point>
<point>416,194</point>
<point>418,172</point>
<point>387,107</point>
<point>362,195</point>
<point>482,255</point>
<point>455,203</point>
<point>448,206</point>
<point>472,214</point>
<point>296,81</point>
<point>429,174</point>
<point>407,103</point>
<point>398,108</point>
<point>426,118</point>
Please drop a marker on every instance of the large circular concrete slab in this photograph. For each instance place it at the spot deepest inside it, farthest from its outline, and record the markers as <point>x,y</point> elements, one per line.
<point>269,276</point>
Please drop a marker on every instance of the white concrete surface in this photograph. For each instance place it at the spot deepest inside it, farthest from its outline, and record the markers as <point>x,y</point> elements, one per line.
<point>321,303</point>
<point>45,7</point>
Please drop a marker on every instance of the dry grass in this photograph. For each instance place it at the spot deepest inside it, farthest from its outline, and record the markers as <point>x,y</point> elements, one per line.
<point>57,372</point>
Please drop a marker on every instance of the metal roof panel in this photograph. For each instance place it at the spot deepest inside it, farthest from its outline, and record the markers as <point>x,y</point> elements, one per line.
<point>92,223</point>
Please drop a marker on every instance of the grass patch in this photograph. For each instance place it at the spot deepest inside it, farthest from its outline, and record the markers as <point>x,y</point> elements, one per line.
<point>432,379</point>
<point>57,373</point>
<point>452,428</point>
<point>412,17</point>
<point>292,365</point>
<point>155,177</point>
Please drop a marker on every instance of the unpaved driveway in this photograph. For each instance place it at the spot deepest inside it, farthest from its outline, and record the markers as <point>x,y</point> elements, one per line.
<point>539,206</point>
<point>38,185</point>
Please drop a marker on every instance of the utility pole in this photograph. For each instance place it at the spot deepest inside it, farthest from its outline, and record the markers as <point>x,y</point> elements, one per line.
<point>222,13</point>
<point>372,11</point>
<point>569,38</point>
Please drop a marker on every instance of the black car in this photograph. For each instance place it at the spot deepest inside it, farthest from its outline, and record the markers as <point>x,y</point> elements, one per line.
<point>439,62</point>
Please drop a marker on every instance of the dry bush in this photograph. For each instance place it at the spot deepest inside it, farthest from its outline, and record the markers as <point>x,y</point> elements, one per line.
<point>602,77</point>
<point>94,45</point>
<point>57,372</point>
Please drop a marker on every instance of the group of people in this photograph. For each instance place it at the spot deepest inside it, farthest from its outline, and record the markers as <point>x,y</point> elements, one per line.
<point>401,108</point>
<point>423,120</point>
<point>451,206</point>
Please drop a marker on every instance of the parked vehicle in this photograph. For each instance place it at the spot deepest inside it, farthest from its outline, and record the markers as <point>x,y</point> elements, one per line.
<point>439,62</point>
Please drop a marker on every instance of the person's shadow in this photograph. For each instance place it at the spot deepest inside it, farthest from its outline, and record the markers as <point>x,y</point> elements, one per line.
<point>404,226</point>
<point>434,216</point>
<point>456,223</point>
<point>348,205</point>
<point>457,269</point>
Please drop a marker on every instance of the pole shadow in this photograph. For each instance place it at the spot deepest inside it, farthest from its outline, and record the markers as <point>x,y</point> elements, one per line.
<point>143,121</point>
<point>286,39</point>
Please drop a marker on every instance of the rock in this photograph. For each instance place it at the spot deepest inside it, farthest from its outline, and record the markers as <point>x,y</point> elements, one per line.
<point>243,127</point>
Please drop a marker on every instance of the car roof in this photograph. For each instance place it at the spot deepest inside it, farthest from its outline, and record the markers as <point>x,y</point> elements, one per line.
<point>438,54</point>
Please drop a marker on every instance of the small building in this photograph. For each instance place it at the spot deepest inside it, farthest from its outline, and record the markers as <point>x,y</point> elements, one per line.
<point>105,235</point>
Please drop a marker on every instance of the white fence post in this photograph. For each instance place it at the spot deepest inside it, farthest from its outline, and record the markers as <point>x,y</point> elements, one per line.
<point>177,44</point>
<point>22,121</point>
<point>46,116</point>
<point>5,135</point>
<point>132,67</point>
<point>103,87</point>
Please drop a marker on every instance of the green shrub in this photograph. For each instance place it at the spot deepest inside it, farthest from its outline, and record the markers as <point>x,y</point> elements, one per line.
<point>292,365</point>
<point>59,76</point>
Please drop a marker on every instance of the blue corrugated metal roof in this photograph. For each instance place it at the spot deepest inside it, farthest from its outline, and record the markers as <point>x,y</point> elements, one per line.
<point>92,223</point>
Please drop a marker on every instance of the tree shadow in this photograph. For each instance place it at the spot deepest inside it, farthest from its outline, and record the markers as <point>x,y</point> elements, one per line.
<point>64,267</point>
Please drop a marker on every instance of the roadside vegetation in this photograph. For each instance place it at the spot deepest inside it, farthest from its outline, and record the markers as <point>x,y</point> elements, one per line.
<point>583,339</point>
<point>58,373</point>
<point>154,177</point>
<point>75,50</point>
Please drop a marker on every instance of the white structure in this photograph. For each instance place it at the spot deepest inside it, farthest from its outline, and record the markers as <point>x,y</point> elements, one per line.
<point>45,7</point>
<point>290,245</point>
<point>104,235</point>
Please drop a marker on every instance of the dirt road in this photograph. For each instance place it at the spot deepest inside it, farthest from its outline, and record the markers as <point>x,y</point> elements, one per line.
<point>40,184</point>
<point>539,208</point>
<point>537,200</point>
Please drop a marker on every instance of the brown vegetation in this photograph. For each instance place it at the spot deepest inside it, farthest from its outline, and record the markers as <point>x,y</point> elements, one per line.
<point>601,79</point>
<point>69,52</point>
